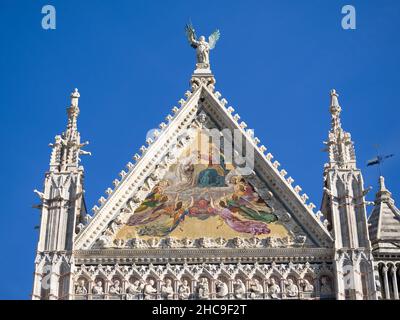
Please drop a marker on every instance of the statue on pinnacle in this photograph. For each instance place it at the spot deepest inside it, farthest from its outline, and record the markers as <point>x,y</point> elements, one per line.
<point>202,46</point>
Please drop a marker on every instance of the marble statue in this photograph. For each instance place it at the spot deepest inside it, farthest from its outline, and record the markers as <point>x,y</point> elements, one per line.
<point>221,289</point>
<point>274,289</point>
<point>98,288</point>
<point>167,290</point>
<point>325,286</point>
<point>307,286</point>
<point>149,291</point>
<point>202,46</point>
<point>292,290</point>
<point>256,289</point>
<point>203,290</point>
<point>115,288</point>
<point>80,287</point>
<point>184,290</point>
<point>239,289</point>
<point>134,290</point>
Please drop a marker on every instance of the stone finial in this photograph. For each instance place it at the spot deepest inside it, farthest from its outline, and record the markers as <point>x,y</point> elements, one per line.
<point>75,98</point>
<point>382,186</point>
<point>334,107</point>
<point>334,98</point>
<point>383,194</point>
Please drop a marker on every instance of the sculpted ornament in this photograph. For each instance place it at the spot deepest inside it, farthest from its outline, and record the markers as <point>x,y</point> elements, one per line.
<point>184,290</point>
<point>307,286</point>
<point>239,289</point>
<point>221,289</point>
<point>326,287</point>
<point>115,288</point>
<point>292,290</point>
<point>274,289</point>
<point>80,287</point>
<point>202,46</point>
<point>167,290</point>
<point>98,287</point>
<point>203,289</point>
<point>149,291</point>
<point>255,289</point>
<point>134,290</point>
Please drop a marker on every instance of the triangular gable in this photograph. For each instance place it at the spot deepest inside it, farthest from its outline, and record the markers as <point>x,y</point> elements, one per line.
<point>169,143</point>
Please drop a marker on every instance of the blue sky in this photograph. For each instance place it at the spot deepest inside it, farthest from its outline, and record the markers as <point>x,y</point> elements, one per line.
<point>275,63</point>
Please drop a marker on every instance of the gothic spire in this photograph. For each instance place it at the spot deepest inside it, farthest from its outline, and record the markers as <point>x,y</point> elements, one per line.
<point>340,146</point>
<point>67,147</point>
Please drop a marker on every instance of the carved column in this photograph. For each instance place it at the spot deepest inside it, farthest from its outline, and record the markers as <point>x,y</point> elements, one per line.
<point>231,290</point>
<point>394,282</point>
<point>386,282</point>
<point>176,288</point>
<point>193,293</point>
<point>283,288</point>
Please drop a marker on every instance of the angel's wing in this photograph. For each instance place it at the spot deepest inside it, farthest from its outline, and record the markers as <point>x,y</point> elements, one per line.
<point>191,36</point>
<point>213,38</point>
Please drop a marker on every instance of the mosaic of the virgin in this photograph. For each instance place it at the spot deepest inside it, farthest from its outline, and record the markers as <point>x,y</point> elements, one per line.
<point>200,198</point>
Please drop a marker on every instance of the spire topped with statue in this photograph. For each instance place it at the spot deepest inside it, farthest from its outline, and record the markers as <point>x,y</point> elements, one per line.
<point>339,144</point>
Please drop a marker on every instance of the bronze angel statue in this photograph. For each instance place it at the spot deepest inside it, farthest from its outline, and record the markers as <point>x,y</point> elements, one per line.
<point>202,46</point>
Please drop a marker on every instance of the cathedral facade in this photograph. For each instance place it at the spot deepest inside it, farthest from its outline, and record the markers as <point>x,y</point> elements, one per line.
<point>203,211</point>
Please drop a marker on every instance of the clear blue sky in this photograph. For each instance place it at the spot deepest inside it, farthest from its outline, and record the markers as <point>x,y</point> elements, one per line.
<point>275,63</point>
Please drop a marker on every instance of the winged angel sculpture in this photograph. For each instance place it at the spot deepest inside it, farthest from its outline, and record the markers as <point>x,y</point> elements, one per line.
<point>202,46</point>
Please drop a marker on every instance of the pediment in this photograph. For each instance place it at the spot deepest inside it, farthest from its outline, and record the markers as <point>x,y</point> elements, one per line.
<point>185,191</point>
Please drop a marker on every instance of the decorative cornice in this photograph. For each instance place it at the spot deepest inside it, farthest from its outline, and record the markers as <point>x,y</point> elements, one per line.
<point>205,255</point>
